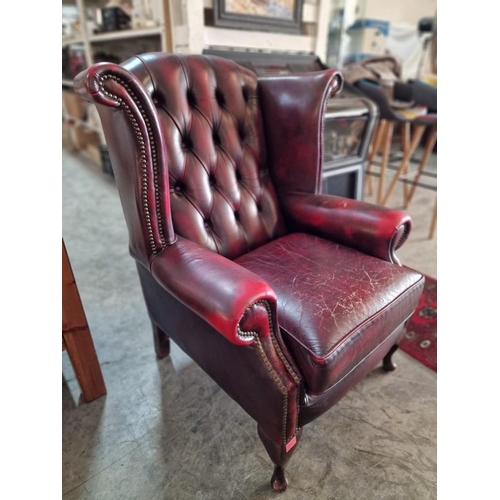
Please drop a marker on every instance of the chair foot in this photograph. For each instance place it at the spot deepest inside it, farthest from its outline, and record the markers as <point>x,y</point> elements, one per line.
<point>162,342</point>
<point>280,455</point>
<point>279,481</point>
<point>388,363</point>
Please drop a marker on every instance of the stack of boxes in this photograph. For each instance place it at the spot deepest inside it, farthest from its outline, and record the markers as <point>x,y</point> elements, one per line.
<point>77,129</point>
<point>368,38</point>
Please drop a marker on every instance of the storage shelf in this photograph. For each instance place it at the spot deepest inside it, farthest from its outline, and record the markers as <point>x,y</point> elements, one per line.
<point>118,43</point>
<point>121,34</point>
<point>184,27</point>
<point>71,39</point>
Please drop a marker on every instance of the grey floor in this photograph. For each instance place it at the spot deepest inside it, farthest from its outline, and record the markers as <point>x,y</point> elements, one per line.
<point>166,431</point>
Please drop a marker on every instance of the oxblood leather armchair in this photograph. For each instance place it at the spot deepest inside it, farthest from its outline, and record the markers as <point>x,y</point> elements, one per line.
<point>284,296</point>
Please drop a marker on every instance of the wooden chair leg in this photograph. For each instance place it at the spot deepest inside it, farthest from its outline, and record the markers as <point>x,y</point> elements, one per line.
<point>405,133</point>
<point>387,363</point>
<point>417,135</point>
<point>385,160</point>
<point>433,221</point>
<point>77,338</point>
<point>162,342</point>
<point>280,456</point>
<point>429,146</point>
<point>375,147</point>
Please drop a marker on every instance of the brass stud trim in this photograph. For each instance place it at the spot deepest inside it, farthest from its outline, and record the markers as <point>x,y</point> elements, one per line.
<point>143,156</point>
<point>252,334</point>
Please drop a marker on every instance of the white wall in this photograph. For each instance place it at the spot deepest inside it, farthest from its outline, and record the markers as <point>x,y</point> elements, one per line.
<point>398,11</point>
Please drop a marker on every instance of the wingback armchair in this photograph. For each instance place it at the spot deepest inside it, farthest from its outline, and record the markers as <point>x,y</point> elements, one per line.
<point>286,297</point>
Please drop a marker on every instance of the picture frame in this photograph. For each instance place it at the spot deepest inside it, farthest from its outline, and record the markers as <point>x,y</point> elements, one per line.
<point>284,16</point>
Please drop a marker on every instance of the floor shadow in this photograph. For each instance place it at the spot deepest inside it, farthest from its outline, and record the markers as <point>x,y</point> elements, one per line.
<point>81,429</point>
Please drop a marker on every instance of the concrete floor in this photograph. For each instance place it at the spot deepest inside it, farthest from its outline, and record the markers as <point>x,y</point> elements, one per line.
<point>166,431</point>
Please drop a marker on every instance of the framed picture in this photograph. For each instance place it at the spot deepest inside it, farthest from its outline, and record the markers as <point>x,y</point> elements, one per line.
<point>259,15</point>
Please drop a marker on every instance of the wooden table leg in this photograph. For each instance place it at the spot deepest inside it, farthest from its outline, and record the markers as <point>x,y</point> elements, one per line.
<point>77,338</point>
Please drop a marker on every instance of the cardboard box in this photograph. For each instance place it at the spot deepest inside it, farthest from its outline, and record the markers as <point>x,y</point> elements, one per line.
<point>74,105</point>
<point>67,141</point>
<point>94,153</point>
<point>377,24</point>
<point>82,137</point>
<point>93,117</point>
<point>368,37</point>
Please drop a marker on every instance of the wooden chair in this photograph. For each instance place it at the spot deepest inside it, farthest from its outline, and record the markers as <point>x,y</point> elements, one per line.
<point>425,94</point>
<point>76,337</point>
<point>412,130</point>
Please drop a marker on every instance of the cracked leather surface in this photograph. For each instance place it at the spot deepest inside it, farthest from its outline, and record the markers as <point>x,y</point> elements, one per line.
<point>335,304</point>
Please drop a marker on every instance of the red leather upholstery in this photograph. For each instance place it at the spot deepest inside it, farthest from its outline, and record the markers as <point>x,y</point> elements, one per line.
<point>370,228</point>
<point>335,304</point>
<point>220,191</point>
<point>216,288</point>
<point>284,296</point>
<point>293,108</point>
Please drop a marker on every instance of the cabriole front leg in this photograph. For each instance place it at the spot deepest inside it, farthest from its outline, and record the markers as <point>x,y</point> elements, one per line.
<point>387,362</point>
<point>259,376</point>
<point>280,454</point>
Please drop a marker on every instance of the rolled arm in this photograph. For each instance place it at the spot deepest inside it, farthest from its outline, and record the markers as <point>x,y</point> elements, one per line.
<point>372,229</point>
<point>241,306</point>
<point>221,292</point>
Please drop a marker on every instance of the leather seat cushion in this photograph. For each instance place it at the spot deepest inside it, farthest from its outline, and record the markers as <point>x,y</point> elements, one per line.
<point>335,304</point>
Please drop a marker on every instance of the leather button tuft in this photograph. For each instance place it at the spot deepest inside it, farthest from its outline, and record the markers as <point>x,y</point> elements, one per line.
<point>219,97</point>
<point>216,138</point>
<point>212,180</point>
<point>237,215</point>
<point>158,99</point>
<point>187,143</point>
<point>191,98</point>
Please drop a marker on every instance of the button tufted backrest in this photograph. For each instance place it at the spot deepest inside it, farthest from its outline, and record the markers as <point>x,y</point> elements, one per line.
<point>221,194</point>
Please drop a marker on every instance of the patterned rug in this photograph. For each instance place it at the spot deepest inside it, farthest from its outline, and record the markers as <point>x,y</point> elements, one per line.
<point>420,340</point>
